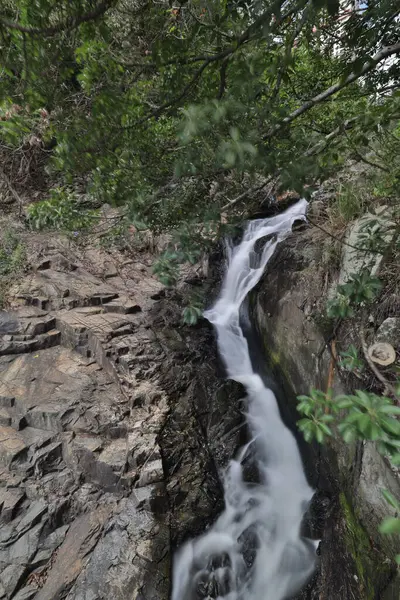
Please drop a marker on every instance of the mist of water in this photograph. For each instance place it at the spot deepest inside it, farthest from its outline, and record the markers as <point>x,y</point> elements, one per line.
<point>255,550</point>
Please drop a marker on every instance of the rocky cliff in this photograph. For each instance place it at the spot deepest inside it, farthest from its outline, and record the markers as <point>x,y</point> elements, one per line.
<point>288,306</point>
<point>114,425</point>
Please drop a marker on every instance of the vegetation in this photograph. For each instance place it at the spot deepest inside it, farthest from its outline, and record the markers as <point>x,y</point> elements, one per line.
<point>13,259</point>
<point>363,415</point>
<point>181,113</point>
<point>185,115</point>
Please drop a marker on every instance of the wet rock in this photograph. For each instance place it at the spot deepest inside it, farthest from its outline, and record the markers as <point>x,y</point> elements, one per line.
<point>297,354</point>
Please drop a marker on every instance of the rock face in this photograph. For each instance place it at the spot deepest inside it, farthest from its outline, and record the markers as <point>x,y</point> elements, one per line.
<point>114,425</point>
<point>287,310</point>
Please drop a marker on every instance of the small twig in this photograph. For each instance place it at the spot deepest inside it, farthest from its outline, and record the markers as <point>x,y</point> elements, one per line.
<point>331,372</point>
<point>334,89</point>
<point>13,191</point>
<point>367,251</point>
<point>222,75</point>
<point>244,194</point>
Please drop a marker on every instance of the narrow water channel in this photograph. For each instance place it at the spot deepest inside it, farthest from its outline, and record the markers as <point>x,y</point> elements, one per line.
<point>255,549</point>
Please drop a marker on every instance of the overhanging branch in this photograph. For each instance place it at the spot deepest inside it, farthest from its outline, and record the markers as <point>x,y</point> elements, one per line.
<point>334,89</point>
<point>67,25</point>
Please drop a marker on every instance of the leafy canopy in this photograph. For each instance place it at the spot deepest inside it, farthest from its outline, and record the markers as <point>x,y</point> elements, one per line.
<point>180,112</point>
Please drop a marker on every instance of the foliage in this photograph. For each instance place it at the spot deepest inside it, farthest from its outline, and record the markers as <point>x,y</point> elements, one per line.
<point>194,310</point>
<point>13,260</point>
<point>360,289</point>
<point>63,210</point>
<point>359,416</point>
<point>176,113</point>
<point>350,361</point>
<point>363,415</point>
<point>352,200</point>
<point>12,253</point>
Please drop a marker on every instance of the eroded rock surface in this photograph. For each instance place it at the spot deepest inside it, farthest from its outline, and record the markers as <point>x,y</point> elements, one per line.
<point>288,309</point>
<point>114,424</point>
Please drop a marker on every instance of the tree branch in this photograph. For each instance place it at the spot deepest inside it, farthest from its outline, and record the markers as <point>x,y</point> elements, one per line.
<point>246,36</point>
<point>67,25</point>
<point>244,195</point>
<point>222,78</point>
<point>368,66</point>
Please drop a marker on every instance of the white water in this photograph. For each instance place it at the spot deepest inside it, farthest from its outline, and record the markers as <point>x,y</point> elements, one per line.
<point>254,551</point>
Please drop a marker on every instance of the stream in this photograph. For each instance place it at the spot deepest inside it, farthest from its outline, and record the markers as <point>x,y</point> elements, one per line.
<point>255,549</point>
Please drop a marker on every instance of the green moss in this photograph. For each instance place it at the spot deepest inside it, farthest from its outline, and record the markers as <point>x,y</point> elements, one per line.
<point>275,358</point>
<point>369,570</point>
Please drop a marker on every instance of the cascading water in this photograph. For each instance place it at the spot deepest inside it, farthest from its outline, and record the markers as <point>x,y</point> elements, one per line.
<point>255,550</point>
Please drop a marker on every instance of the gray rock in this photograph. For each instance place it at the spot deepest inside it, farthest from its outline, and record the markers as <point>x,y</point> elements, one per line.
<point>115,454</point>
<point>27,593</point>
<point>12,445</point>
<point>47,458</point>
<point>8,323</point>
<point>24,549</point>
<point>72,555</point>
<point>353,261</point>
<point>389,332</point>
<point>33,516</point>
<point>5,417</point>
<point>11,578</point>
<point>10,500</point>
<point>55,538</point>
<point>296,352</point>
<point>7,401</point>
<point>151,472</point>
<point>81,416</point>
<point>48,416</point>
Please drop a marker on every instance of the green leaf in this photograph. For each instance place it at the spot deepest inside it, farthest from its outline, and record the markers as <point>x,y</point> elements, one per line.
<point>319,434</point>
<point>344,402</point>
<point>391,525</point>
<point>325,429</point>
<point>390,409</point>
<point>390,499</point>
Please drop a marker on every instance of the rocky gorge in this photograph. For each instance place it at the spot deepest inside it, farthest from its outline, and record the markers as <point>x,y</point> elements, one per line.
<point>116,423</point>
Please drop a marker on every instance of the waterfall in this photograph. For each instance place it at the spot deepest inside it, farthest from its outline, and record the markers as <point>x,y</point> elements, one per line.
<point>255,550</point>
